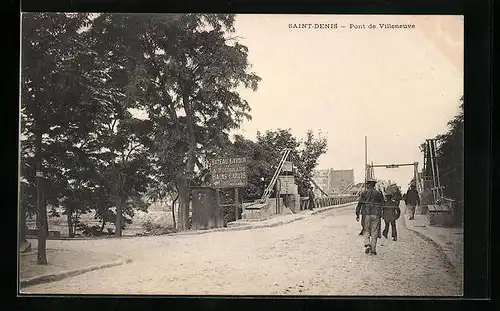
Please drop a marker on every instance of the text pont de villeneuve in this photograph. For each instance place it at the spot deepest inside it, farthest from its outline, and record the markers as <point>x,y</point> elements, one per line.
<point>350,26</point>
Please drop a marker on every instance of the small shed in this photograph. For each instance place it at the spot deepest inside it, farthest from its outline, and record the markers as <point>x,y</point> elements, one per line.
<point>207,213</point>
<point>440,215</point>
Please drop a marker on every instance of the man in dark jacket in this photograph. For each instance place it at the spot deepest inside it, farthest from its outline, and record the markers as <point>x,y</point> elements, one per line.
<point>398,196</point>
<point>370,205</point>
<point>390,214</point>
<point>311,196</point>
<point>412,199</point>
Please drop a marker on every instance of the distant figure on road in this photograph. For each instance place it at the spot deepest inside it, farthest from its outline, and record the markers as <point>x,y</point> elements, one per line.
<point>390,214</point>
<point>398,197</point>
<point>370,205</point>
<point>311,196</point>
<point>395,191</point>
<point>412,199</point>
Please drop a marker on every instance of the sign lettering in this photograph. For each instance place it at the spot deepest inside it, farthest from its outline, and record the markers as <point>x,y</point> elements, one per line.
<point>229,172</point>
<point>288,185</point>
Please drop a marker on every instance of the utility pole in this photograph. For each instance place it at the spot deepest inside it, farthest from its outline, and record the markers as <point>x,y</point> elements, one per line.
<point>366,160</point>
<point>22,225</point>
<point>236,203</point>
<point>119,202</point>
<point>42,217</point>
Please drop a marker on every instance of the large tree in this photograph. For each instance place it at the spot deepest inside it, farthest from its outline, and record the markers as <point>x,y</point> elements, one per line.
<point>123,166</point>
<point>449,153</point>
<point>308,157</point>
<point>76,120</point>
<point>189,79</point>
<point>117,149</point>
<point>53,108</point>
<point>82,74</point>
<point>450,156</point>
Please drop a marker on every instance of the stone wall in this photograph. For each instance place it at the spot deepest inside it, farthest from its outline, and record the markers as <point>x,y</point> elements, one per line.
<point>257,211</point>
<point>292,202</point>
<point>272,205</point>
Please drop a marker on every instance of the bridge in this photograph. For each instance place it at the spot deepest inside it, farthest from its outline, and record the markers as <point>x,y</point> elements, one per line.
<point>315,254</point>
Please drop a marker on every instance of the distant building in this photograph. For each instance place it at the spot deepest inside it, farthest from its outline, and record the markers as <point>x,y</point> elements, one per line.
<point>340,180</point>
<point>333,181</point>
<point>321,178</point>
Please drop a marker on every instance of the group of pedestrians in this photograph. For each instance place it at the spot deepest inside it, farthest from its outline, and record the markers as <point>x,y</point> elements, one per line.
<point>373,207</point>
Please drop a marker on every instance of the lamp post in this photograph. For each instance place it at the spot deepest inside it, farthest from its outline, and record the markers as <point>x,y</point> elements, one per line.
<point>366,160</point>
<point>41,217</point>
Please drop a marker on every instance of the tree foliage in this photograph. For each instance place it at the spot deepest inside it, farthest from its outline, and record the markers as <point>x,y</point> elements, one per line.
<point>451,156</point>
<point>265,153</point>
<point>187,82</point>
<point>82,74</point>
<point>308,156</point>
<point>75,119</point>
<point>449,153</point>
<point>54,93</point>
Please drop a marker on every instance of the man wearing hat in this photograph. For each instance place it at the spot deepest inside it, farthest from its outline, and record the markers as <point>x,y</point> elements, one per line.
<point>370,204</point>
<point>412,199</point>
<point>311,196</point>
<point>390,214</point>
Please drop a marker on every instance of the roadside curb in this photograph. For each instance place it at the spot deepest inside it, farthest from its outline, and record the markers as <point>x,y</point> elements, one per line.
<point>446,258</point>
<point>239,228</point>
<point>57,276</point>
<point>283,222</point>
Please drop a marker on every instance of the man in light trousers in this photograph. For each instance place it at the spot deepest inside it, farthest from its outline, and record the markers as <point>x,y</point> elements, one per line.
<point>370,205</point>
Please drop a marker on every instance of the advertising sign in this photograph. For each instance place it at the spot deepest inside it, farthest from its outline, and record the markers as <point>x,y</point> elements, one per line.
<point>288,185</point>
<point>287,166</point>
<point>229,172</point>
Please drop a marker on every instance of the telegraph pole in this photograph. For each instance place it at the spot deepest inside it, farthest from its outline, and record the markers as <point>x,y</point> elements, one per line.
<point>42,216</point>
<point>236,203</point>
<point>366,160</point>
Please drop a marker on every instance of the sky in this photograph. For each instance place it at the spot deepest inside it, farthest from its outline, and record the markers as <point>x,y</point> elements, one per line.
<point>396,86</point>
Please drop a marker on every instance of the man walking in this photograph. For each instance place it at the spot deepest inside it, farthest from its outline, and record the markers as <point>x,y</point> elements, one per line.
<point>397,196</point>
<point>412,199</point>
<point>370,205</point>
<point>311,196</point>
<point>391,213</point>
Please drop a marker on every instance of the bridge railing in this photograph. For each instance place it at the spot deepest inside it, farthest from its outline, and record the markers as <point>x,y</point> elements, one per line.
<point>328,201</point>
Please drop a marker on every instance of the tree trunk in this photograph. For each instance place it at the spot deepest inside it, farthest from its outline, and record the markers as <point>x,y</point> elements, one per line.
<point>183,212</point>
<point>22,224</point>
<point>71,228</point>
<point>41,207</point>
<point>118,223</point>
<point>191,158</point>
<point>103,224</point>
<point>173,209</point>
<point>76,221</point>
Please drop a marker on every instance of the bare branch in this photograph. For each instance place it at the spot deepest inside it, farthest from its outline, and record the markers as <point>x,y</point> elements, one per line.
<point>130,151</point>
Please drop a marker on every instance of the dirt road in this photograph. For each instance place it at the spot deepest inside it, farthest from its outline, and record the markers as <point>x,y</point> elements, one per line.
<point>320,255</point>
